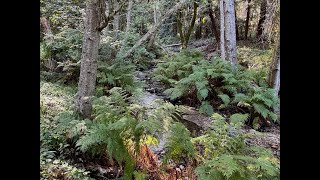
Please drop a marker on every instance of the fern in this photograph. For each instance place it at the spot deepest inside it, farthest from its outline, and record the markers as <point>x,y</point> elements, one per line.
<point>227,157</point>
<point>179,143</point>
<point>216,79</point>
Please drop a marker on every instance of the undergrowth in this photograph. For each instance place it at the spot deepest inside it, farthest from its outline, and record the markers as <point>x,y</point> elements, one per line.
<point>215,85</point>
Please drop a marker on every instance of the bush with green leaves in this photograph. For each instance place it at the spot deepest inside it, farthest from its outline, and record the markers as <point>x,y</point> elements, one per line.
<point>178,144</point>
<point>64,48</point>
<point>216,85</point>
<point>141,55</point>
<point>226,156</point>
<point>119,127</point>
<point>172,69</point>
<point>60,169</point>
<point>116,74</point>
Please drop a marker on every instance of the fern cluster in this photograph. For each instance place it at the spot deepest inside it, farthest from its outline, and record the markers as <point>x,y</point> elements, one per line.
<point>203,84</point>
<point>117,74</point>
<point>226,156</point>
<point>179,66</point>
<point>179,143</point>
<point>119,127</point>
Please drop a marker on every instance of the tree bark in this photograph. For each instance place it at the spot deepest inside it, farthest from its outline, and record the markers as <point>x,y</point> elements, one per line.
<point>199,29</point>
<point>193,20</point>
<point>180,30</point>
<point>156,26</point>
<point>274,71</point>
<point>230,32</point>
<point>51,64</point>
<point>155,20</point>
<point>88,70</point>
<point>129,15</point>
<point>247,20</point>
<point>46,26</point>
<point>116,20</point>
<point>222,24</point>
<point>213,23</point>
<point>263,10</point>
<point>237,27</point>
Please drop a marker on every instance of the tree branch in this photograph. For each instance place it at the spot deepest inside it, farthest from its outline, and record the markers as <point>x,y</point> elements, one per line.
<point>107,19</point>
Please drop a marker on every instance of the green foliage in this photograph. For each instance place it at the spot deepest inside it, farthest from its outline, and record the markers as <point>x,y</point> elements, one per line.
<point>139,175</point>
<point>226,156</point>
<point>262,100</point>
<point>62,14</point>
<point>60,169</point>
<point>179,143</point>
<point>255,58</point>
<point>177,67</point>
<point>141,55</point>
<point>118,74</point>
<point>188,74</point>
<point>119,127</point>
<point>65,49</point>
<point>206,108</point>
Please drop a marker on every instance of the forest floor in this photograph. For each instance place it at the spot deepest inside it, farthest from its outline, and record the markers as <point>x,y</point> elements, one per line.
<point>57,98</point>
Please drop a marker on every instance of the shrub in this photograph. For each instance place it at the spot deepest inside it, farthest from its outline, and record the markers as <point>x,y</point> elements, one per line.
<point>216,85</point>
<point>179,143</point>
<point>226,155</point>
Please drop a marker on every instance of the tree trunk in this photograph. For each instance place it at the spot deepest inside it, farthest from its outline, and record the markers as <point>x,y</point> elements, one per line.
<point>107,12</point>
<point>274,71</point>
<point>46,26</point>
<point>180,30</point>
<point>155,20</point>
<point>263,10</point>
<point>237,27</point>
<point>230,32</point>
<point>213,23</point>
<point>247,20</point>
<point>129,15</point>
<point>116,20</point>
<point>199,29</point>
<point>51,64</point>
<point>193,20</point>
<point>156,26</point>
<point>88,71</point>
<point>222,37</point>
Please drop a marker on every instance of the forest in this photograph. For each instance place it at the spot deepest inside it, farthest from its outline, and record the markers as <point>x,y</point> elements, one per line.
<point>160,89</point>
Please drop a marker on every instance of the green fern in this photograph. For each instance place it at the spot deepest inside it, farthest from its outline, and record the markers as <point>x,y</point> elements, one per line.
<point>227,157</point>
<point>179,143</point>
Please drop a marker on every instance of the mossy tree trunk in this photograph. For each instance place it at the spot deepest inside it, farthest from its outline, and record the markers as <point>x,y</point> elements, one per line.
<point>246,30</point>
<point>95,21</point>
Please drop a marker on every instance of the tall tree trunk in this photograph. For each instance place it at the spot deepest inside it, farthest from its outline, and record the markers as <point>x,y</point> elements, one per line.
<point>274,71</point>
<point>213,23</point>
<point>222,24</point>
<point>107,12</point>
<point>50,64</point>
<point>116,20</point>
<point>129,15</point>
<point>230,32</point>
<point>199,29</point>
<point>180,29</point>
<point>156,26</point>
<point>155,20</point>
<point>193,20</point>
<point>263,10</point>
<point>247,20</point>
<point>88,71</point>
<point>237,27</point>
